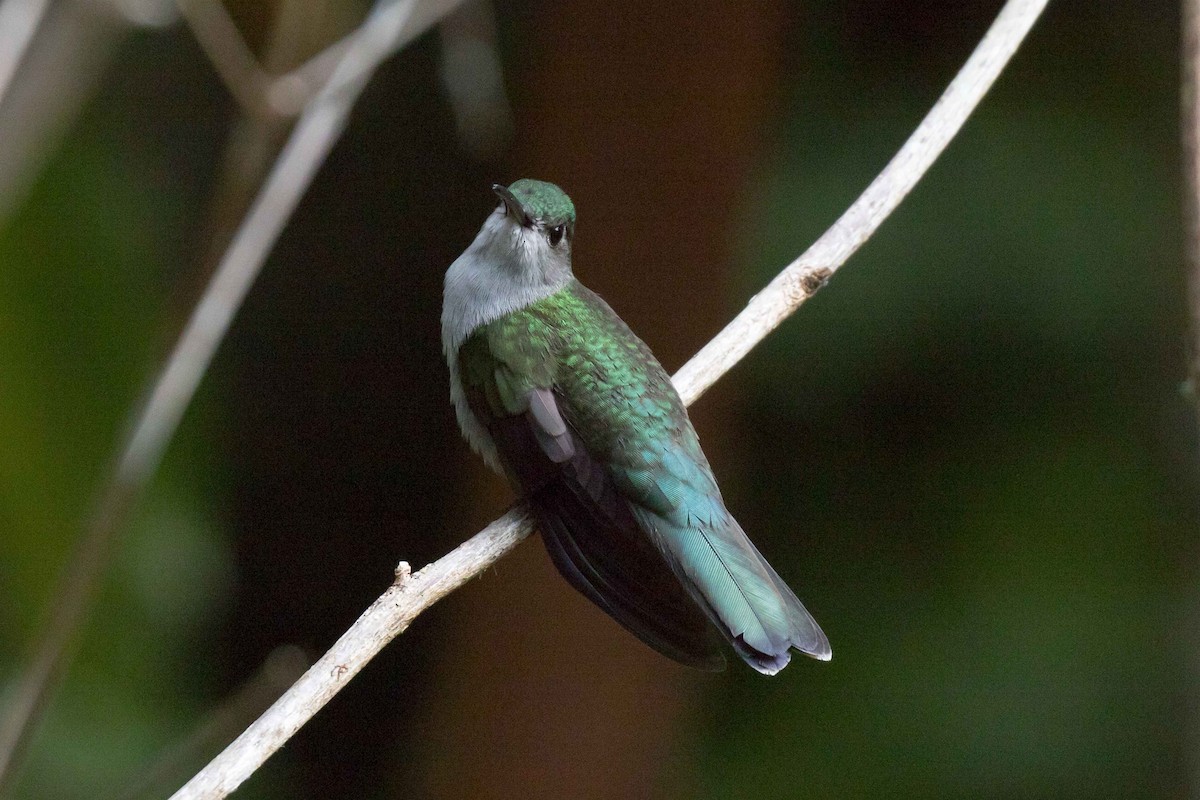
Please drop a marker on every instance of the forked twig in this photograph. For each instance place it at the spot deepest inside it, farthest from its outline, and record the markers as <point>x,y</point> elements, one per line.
<point>391,614</point>
<point>261,91</point>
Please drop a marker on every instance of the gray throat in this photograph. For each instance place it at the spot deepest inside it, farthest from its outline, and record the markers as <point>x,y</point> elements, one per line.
<point>505,269</point>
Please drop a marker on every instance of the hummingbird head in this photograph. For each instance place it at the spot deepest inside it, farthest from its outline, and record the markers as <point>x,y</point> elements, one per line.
<point>539,205</point>
<point>525,245</point>
<point>520,255</point>
<point>538,219</point>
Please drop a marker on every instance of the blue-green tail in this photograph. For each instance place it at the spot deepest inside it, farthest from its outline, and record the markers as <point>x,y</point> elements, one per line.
<point>745,598</point>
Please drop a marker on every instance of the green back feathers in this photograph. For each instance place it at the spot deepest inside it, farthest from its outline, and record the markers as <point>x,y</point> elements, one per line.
<point>544,201</point>
<point>616,395</point>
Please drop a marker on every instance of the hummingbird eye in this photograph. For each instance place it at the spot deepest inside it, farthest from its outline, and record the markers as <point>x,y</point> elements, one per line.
<point>556,235</point>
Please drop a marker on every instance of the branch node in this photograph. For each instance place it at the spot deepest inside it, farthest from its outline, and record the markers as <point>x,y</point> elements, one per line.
<point>403,573</point>
<point>288,94</point>
<point>814,281</point>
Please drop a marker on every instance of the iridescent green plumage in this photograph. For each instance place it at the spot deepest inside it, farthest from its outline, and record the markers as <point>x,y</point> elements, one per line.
<point>552,388</point>
<point>543,200</point>
<point>589,427</point>
<point>573,341</point>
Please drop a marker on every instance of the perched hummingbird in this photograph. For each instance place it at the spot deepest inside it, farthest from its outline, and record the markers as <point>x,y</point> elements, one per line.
<point>558,394</point>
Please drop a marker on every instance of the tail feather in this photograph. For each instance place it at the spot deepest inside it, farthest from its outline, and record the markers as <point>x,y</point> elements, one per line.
<point>625,577</point>
<point>750,604</point>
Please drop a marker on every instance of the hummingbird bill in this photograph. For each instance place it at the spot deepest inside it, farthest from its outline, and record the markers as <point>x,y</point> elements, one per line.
<point>556,393</point>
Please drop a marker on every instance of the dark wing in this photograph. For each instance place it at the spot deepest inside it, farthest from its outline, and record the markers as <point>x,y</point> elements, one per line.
<point>588,528</point>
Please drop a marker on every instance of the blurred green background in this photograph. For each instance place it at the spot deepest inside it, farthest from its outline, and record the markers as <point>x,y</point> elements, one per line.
<point>970,454</point>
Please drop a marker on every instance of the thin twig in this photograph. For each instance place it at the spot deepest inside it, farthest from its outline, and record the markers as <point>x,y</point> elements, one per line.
<point>255,140</point>
<point>259,90</point>
<point>289,92</point>
<point>410,595</point>
<point>385,30</point>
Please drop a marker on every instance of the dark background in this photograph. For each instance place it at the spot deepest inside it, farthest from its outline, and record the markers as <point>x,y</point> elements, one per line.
<point>970,454</point>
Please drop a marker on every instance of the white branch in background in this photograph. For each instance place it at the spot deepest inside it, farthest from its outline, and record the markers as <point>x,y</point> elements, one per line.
<point>52,57</point>
<point>314,136</point>
<point>473,78</point>
<point>385,31</point>
<point>19,21</point>
<point>392,613</point>
<point>259,91</point>
<point>390,26</point>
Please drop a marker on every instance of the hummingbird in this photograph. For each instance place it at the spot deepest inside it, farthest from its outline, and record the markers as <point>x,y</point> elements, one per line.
<point>556,393</point>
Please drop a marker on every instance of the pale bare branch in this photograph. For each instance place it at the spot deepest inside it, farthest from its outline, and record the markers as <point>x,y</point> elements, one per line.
<point>410,595</point>
<point>383,621</point>
<point>810,271</point>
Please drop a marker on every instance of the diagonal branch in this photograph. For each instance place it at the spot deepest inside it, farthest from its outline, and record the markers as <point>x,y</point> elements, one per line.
<point>411,594</point>
<point>391,24</point>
